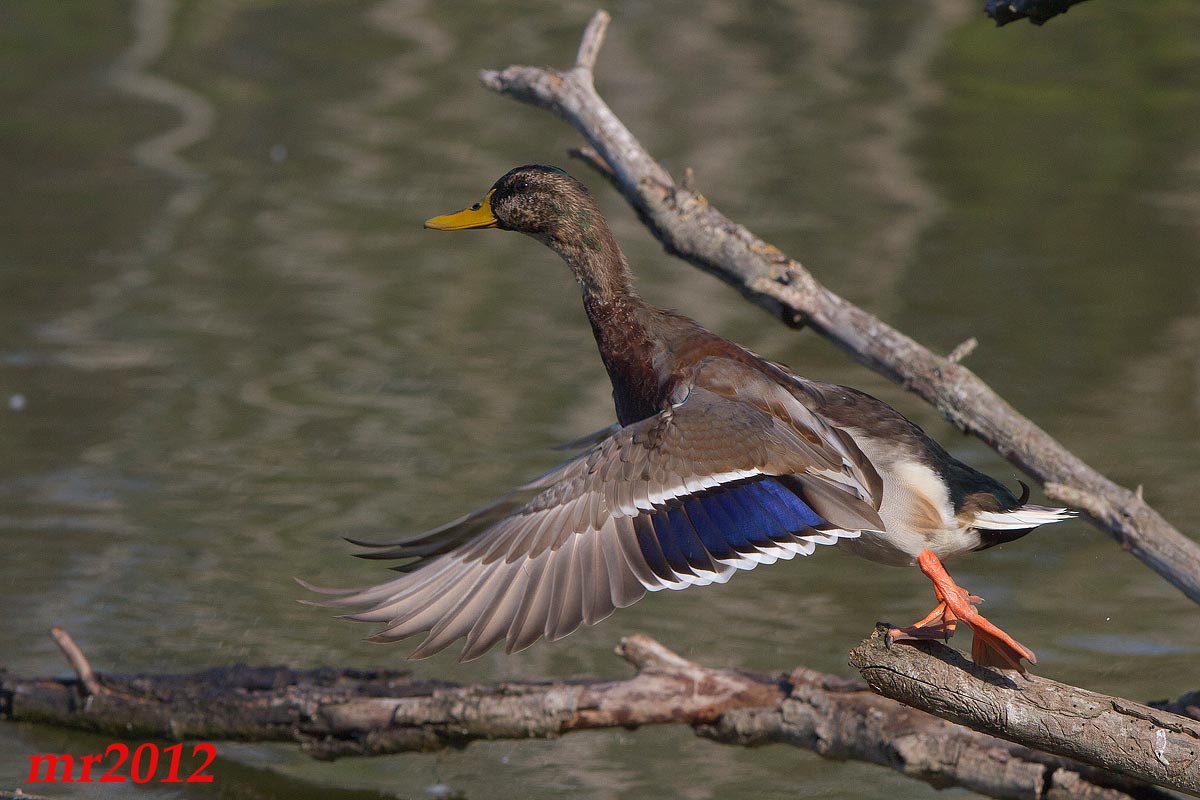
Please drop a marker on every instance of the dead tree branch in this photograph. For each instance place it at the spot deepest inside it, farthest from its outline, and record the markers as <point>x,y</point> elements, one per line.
<point>1145,743</point>
<point>688,226</point>
<point>1036,11</point>
<point>77,660</point>
<point>333,713</point>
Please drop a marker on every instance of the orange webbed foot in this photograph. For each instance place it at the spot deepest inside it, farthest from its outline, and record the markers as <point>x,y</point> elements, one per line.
<point>938,624</point>
<point>990,646</point>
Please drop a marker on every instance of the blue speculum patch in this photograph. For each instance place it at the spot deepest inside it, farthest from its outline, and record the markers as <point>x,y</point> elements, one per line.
<point>720,523</point>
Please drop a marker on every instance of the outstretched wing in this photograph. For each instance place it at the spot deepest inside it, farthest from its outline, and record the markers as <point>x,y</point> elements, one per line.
<point>712,485</point>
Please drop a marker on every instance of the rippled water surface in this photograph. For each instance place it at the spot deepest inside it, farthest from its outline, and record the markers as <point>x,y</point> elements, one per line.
<point>225,340</point>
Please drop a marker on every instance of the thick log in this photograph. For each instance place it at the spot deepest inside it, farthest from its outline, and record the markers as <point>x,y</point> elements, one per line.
<point>333,713</point>
<point>1145,743</point>
<point>688,226</point>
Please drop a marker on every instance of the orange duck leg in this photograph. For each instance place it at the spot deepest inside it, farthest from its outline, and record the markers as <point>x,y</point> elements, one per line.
<point>990,647</point>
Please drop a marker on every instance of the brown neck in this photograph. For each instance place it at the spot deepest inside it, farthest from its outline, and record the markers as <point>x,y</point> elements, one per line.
<point>595,258</point>
<point>628,351</point>
<point>619,319</point>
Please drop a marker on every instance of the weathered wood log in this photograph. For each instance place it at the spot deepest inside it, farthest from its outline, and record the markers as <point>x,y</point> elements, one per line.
<point>1145,743</point>
<point>688,226</point>
<point>333,713</point>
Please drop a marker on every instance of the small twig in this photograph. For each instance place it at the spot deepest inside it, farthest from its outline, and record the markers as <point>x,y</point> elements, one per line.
<point>594,160</point>
<point>589,45</point>
<point>963,350</point>
<point>77,660</point>
<point>646,654</point>
<point>689,179</point>
<point>20,795</point>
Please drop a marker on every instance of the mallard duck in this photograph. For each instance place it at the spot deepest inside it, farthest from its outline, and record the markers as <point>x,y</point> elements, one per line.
<point>719,461</point>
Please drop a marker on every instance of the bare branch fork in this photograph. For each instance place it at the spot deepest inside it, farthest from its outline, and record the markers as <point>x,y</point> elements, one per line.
<point>688,226</point>
<point>333,713</point>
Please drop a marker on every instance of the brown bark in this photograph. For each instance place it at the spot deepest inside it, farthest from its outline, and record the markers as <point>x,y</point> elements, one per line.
<point>688,226</point>
<point>334,713</point>
<point>1146,743</point>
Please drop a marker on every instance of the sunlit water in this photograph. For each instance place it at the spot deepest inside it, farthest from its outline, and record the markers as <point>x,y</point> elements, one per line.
<point>225,340</point>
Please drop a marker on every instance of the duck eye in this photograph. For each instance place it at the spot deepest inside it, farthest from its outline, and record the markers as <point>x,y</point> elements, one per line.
<point>522,186</point>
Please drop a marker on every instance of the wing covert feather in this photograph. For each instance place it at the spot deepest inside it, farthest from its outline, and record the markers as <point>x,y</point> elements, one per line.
<point>740,472</point>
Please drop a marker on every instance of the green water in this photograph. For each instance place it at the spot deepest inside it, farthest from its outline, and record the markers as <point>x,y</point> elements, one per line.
<point>222,350</point>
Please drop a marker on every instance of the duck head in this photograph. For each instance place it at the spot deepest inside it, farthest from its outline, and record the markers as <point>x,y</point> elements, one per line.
<point>549,205</point>
<point>541,201</point>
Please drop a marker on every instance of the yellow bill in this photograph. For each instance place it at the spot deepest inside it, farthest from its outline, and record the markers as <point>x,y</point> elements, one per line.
<point>477,216</point>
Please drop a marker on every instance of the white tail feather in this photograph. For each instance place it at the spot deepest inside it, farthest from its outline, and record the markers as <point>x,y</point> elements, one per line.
<point>1020,518</point>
